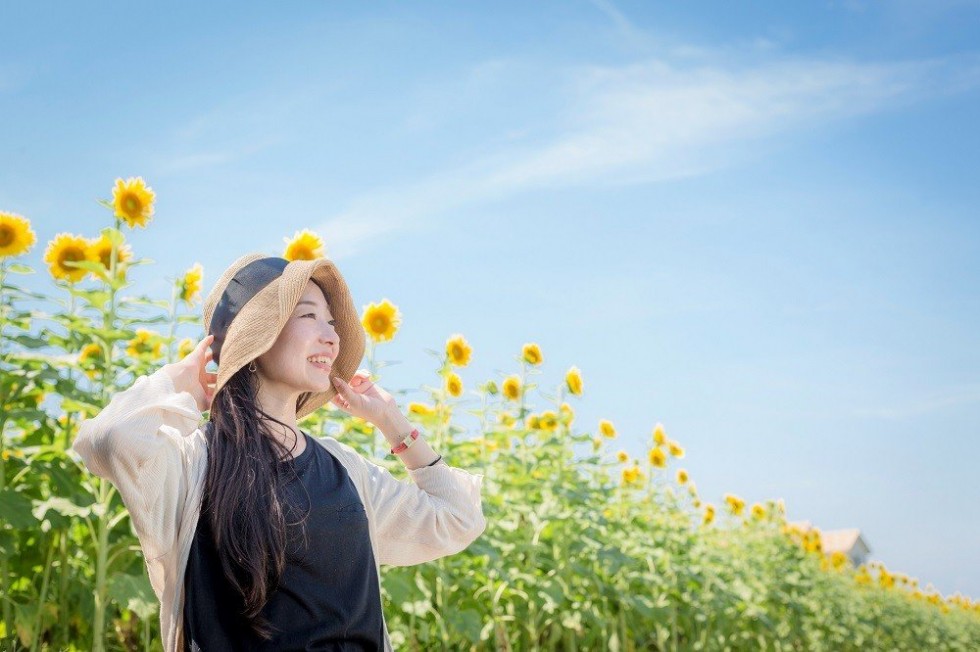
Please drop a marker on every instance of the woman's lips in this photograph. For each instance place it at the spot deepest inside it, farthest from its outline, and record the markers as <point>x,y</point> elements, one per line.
<point>322,366</point>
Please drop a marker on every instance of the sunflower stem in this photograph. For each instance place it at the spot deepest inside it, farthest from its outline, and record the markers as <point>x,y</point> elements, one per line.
<point>102,538</point>
<point>173,323</point>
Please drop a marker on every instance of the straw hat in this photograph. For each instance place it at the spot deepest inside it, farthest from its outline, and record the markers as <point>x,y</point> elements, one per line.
<point>249,306</point>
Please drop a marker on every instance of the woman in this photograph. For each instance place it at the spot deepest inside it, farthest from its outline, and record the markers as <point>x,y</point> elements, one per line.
<point>256,535</point>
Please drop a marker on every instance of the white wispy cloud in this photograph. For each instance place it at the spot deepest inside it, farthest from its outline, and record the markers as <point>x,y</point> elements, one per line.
<point>214,136</point>
<point>938,400</point>
<point>657,120</point>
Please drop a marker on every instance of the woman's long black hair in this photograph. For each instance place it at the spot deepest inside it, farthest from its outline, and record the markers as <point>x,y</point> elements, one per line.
<point>242,495</point>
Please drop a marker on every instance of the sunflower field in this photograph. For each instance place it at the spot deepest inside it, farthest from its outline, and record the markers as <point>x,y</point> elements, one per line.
<point>586,547</point>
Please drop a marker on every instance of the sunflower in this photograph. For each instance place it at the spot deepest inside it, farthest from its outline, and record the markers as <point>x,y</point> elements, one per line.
<point>596,443</point>
<point>681,476</point>
<point>533,422</point>
<point>16,235</point>
<point>632,475</point>
<point>659,438</point>
<point>90,356</point>
<point>458,351</point>
<point>886,579</point>
<point>512,388</point>
<point>132,200</point>
<point>606,428</point>
<point>816,544</point>
<point>862,576</point>
<point>101,250</point>
<point>490,445</point>
<point>381,320</point>
<point>758,511</point>
<point>421,409</point>
<point>184,348</point>
<point>709,513</point>
<point>675,449</point>
<point>66,248</point>
<point>532,354</point>
<point>838,559</point>
<point>146,343</point>
<point>189,285</point>
<point>735,503</point>
<point>573,380</point>
<point>506,419</point>
<point>623,456</point>
<point>454,384</point>
<point>567,413</point>
<point>549,420</point>
<point>304,245</point>
<point>657,457</point>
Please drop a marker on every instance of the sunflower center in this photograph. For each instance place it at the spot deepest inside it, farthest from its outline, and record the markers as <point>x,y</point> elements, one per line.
<point>72,254</point>
<point>380,324</point>
<point>131,203</point>
<point>6,235</point>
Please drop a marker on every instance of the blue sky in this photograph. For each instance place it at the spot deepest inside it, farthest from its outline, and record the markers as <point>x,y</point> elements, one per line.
<point>754,224</point>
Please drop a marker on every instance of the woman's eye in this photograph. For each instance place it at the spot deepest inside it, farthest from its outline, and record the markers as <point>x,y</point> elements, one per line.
<point>313,314</point>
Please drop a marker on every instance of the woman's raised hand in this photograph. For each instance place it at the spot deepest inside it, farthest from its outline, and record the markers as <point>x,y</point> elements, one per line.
<point>363,398</point>
<point>190,375</point>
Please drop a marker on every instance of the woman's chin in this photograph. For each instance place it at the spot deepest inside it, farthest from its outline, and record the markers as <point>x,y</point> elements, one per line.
<point>320,381</point>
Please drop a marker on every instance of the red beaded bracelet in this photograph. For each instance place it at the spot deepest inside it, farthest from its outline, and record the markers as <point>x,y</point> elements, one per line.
<point>407,442</point>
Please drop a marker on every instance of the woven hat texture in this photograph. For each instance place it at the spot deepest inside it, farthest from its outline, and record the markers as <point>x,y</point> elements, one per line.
<point>258,323</point>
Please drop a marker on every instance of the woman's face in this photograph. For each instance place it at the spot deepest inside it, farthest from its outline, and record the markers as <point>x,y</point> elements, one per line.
<point>309,332</point>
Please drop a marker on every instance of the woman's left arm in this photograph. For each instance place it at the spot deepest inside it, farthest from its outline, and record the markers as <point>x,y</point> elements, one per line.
<point>436,514</point>
<point>440,513</point>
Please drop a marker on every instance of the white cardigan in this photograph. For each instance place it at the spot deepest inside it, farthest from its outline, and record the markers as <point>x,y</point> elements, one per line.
<point>148,443</point>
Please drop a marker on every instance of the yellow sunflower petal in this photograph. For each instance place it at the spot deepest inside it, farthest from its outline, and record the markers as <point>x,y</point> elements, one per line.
<point>458,350</point>
<point>532,354</point>
<point>132,201</point>
<point>304,245</point>
<point>381,320</point>
<point>16,235</point>
<point>66,248</point>
<point>573,380</point>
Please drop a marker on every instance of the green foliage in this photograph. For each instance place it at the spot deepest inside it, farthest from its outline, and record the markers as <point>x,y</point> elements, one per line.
<point>571,559</point>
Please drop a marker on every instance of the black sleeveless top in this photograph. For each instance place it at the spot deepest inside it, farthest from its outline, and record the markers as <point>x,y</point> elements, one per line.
<point>328,597</point>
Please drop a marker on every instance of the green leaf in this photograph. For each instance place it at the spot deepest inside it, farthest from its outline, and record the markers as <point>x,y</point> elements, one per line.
<point>16,509</point>
<point>135,593</point>
<point>29,341</point>
<point>18,268</point>
<point>467,621</point>
<point>113,235</point>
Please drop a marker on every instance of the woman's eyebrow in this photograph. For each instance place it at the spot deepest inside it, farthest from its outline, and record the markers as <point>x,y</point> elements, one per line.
<point>309,303</point>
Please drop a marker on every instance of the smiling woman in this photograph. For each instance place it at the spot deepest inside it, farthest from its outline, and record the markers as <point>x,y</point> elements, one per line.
<point>286,534</point>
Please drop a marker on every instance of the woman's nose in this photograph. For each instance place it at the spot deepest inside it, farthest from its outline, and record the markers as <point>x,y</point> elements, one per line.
<point>329,336</point>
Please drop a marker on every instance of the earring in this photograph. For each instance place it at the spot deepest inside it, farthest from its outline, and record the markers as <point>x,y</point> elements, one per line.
<point>252,367</point>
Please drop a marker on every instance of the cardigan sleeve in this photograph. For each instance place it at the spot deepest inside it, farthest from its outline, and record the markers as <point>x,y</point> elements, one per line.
<point>438,514</point>
<point>138,443</point>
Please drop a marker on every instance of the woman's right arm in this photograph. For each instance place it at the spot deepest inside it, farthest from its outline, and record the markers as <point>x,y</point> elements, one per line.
<point>119,441</point>
<point>140,443</point>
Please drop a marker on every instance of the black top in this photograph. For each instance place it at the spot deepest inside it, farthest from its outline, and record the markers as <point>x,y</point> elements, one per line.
<point>328,597</point>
